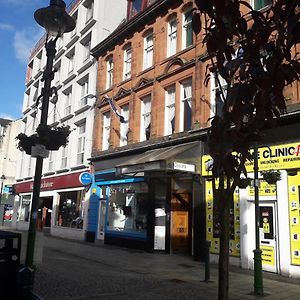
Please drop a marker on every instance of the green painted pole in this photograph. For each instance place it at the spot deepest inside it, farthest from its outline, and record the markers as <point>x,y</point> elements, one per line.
<point>258,276</point>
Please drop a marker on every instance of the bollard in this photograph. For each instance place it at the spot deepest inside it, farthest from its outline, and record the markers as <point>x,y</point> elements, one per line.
<point>207,261</point>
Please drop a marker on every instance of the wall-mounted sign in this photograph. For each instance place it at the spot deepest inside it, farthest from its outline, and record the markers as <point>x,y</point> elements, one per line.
<point>85,178</point>
<point>184,167</point>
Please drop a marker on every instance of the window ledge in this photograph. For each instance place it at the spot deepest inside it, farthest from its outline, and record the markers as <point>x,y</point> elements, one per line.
<point>124,81</point>
<point>30,81</point>
<point>82,109</point>
<point>26,110</point>
<point>86,64</point>
<point>62,171</point>
<point>72,41</point>
<point>177,54</point>
<point>87,26</point>
<point>145,71</point>
<point>69,78</point>
<point>59,53</point>
<point>48,174</point>
<point>67,117</point>
<point>38,74</point>
<point>79,167</point>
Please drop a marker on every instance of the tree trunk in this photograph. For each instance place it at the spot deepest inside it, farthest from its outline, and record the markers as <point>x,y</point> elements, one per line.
<point>224,203</point>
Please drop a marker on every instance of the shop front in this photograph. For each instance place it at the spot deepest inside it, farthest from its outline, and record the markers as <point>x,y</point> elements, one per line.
<point>148,202</point>
<point>61,209</point>
<point>279,213</point>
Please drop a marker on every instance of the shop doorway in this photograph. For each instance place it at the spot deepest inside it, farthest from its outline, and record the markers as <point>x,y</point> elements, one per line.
<point>268,236</point>
<point>45,213</point>
<point>181,223</point>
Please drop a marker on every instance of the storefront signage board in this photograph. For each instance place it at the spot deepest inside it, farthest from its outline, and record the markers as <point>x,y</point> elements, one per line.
<point>184,167</point>
<point>85,178</point>
<point>279,157</point>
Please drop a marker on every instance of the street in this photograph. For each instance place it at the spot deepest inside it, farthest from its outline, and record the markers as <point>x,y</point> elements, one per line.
<point>77,270</point>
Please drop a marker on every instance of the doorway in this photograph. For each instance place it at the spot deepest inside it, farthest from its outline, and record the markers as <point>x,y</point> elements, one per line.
<point>268,236</point>
<point>181,223</point>
<point>45,213</point>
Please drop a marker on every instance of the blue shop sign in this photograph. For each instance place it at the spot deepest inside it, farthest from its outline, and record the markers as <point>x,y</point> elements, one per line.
<point>85,178</point>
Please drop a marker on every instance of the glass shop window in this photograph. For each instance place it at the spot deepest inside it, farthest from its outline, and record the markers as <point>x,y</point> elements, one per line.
<point>24,211</point>
<point>70,209</point>
<point>127,210</point>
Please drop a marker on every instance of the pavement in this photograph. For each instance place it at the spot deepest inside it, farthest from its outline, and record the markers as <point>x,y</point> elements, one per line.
<point>80,270</point>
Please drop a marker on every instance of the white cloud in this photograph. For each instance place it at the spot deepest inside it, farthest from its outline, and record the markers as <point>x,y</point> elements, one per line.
<point>7,116</point>
<point>4,26</point>
<point>24,41</point>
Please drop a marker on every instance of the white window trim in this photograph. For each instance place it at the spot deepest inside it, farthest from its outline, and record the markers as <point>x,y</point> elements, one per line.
<point>64,157</point>
<point>172,37</point>
<point>81,143</point>
<point>213,88</point>
<point>127,63</point>
<point>145,114</point>
<point>187,82</point>
<point>109,73</point>
<point>168,106</point>
<point>84,92</point>
<point>89,12</point>
<point>185,24</point>
<point>148,51</point>
<point>71,63</point>
<point>124,127</point>
<point>68,103</point>
<point>106,130</point>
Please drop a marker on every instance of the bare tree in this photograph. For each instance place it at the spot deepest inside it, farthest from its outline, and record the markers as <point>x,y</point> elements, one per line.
<point>255,52</point>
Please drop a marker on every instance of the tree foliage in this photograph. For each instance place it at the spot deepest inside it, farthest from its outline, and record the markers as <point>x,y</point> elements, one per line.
<point>255,53</point>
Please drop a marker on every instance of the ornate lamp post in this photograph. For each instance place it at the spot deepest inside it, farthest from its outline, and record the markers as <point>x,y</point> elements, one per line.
<point>56,22</point>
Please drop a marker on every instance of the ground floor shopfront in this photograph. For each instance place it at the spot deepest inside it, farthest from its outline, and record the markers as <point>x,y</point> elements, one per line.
<point>149,200</point>
<point>62,206</point>
<point>279,214</point>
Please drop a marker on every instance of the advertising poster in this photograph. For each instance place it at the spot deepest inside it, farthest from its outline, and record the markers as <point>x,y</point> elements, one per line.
<point>294,216</point>
<point>213,224</point>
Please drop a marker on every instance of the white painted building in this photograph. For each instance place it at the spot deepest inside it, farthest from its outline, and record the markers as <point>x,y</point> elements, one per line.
<point>63,200</point>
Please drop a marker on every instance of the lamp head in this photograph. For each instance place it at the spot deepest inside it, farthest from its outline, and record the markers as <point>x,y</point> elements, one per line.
<point>3,177</point>
<point>54,18</point>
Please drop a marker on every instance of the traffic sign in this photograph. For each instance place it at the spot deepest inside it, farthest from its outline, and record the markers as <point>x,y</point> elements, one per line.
<point>85,178</point>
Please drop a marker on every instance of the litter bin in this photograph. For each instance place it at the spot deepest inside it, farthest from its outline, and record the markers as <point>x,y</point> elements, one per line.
<point>10,250</point>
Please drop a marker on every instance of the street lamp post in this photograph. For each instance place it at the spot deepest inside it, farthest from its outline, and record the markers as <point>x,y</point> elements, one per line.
<point>258,277</point>
<point>56,22</point>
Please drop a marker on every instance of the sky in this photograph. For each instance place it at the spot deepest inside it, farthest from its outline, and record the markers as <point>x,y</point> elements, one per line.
<point>18,34</point>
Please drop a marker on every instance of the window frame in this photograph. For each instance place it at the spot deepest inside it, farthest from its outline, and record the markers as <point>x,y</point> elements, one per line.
<point>124,127</point>
<point>127,65</point>
<point>183,100</point>
<point>109,72</point>
<point>171,33</point>
<point>80,143</point>
<point>168,105</point>
<point>187,29</point>
<point>106,122</point>
<point>148,50</point>
<point>146,112</point>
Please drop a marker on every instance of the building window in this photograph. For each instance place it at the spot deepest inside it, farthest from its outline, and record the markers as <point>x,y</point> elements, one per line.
<point>75,17</point>
<point>89,11</point>
<point>258,4</point>
<point>216,101</point>
<point>70,209</point>
<point>64,157</point>
<point>135,7</point>
<point>106,131</point>
<point>50,161</point>
<point>109,73</point>
<point>145,118</point>
<point>170,110</point>
<point>59,43</point>
<point>124,127</point>
<point>172,37</point>
<point>24,211</point>
<point>71,62</point>
<point>39,61</point>
<point>81,143</point>
<point>57,74</point>
<point>148,51</point>
<point>186,105</point>
<point>86,50</point>
<point>127,62</point>
<point>127,208</point>
<point>187,32</point>
<point>29,166</point>
<point>84,92</point>
<point>68,102</point>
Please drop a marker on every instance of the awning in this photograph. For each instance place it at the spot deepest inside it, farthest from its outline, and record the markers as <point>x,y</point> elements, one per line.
<point>181,158</point>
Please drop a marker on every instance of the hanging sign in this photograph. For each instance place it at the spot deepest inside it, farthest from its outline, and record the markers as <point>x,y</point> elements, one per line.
<point>85,178</point>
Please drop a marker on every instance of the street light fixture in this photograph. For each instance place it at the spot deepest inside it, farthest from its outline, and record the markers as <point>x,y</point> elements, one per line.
<point>56,21</point>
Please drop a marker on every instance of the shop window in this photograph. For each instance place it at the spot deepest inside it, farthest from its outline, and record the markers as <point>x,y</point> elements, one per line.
<point>24,211</point>
<point>170,110</point>
<point>70,209</point>
<point>146,118</point>
<point>127,210</point>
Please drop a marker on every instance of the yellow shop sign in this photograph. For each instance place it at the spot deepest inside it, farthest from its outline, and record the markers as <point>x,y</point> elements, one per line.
<point>279,157</point>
